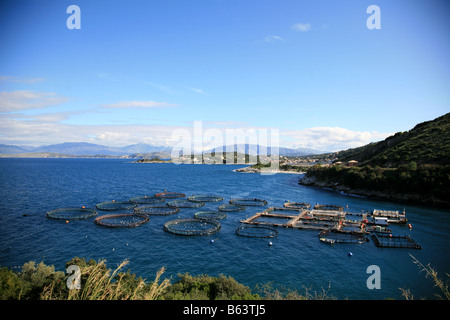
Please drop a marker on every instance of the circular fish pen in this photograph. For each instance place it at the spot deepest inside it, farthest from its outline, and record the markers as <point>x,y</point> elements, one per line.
<point>192,227</point>
<point>71,213</point>
<point>185,204</point>
<point>256,231</point>
<point>330,207</point>
<point>297,205</point>
<point>156,210</point>
<point>170,195</point>
<point>116,205</point>
<point>121,220</point>
<point>334,236</point>
<point>231,208</point>
<point>147,200</point>
<point>248,202</point>
<point>204,198</point>
<point>210,215</point>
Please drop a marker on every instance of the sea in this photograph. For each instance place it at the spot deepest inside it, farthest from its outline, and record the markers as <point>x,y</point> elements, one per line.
<point>294,260</point>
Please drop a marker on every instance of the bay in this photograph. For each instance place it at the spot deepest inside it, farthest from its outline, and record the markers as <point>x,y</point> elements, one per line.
<point>296,260</point>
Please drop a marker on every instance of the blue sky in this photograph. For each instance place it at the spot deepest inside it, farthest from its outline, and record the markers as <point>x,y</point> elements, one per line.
<point>137,70</point>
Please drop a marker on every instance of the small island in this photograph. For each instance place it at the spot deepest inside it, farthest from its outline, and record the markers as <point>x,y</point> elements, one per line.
<point>152,160</point>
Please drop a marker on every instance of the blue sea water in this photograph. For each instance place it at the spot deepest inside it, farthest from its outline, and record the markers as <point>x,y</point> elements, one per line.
<point>296,260</point>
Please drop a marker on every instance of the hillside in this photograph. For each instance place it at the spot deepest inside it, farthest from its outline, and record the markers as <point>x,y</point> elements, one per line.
<point>427,143</point>
<point>412,166</point>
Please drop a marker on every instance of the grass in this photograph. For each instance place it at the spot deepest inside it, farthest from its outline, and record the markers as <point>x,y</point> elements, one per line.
<point>42,282</point>
<point>99,283</point>
<point>438,282</point>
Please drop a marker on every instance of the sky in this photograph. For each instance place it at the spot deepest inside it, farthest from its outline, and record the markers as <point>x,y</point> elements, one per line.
<point>136,71</point>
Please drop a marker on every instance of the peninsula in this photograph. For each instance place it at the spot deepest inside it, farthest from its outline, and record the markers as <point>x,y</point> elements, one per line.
<point>411,166</point>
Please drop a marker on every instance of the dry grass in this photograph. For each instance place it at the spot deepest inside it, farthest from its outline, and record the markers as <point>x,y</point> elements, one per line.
<point>99,283</point>
<point>438,282</point>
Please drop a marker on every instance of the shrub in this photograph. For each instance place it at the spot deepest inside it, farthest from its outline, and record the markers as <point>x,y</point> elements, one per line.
<point>204,287</point>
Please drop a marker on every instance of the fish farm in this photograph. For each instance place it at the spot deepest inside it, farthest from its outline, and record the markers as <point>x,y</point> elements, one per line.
<point>192,227</point>
<point>333,224</point>
<point>156,210</point>
<point>122,220</point>
<point>71,213</point>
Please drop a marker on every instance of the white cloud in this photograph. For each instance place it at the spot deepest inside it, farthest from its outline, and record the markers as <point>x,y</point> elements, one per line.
<point>161,87</point>
<point>330,138</point>
<point>23,100</point>
<point>272,39</point>
<point>301,27</point>
<point>20,80</point>
<point>200,91</point>
<point>49,128</point>
<point>139,104</point>
<point>43,131</point>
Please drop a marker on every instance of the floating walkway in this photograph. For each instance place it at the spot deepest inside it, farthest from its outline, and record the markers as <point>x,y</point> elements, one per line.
<point>301,219</point>
<point>335,225</point>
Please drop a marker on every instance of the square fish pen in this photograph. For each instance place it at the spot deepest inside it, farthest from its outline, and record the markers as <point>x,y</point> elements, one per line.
<point>332,236</point>
<point>312,224</point>
<point>270,220</point>
<point>335,215</point>
<point>394,241</point>
<point>273,217</point>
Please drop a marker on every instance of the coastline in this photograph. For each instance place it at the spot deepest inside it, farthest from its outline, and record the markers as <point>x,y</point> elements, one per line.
<point>417,199</point>
<point>250,169</point>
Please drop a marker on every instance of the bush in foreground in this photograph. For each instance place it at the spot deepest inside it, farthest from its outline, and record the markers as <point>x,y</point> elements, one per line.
<point>42,282</point>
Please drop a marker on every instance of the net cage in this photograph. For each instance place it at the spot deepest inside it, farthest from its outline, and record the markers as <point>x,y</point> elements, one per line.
<point>170,195</point>
<point>283,211</point>
<point>334,236</point>
<point>156,210</point>
<point>116,205</point>
<point>204,198</point>
<point>231,208</point>
<point>271,220</point>
<point>394,241</point>
<point>181,203</point>
<point>331,207</point>
<point>297,205</point>
<point>121,220</point>
<point>256,231</point>
<point>192,227</point>
<point>71,213</point>
<point>210,215</point>
<point>313,224</point>
<point>248,202</point>
<point>147,200</point>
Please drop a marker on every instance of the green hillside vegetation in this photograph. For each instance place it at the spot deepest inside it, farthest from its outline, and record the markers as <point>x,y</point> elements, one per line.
<point>410,166</point>
<point>427,143</point>
<point>98,282</point>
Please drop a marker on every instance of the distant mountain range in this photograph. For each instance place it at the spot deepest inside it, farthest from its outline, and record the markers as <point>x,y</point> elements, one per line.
<point>91,149</point>
<point>254,150</point>
<point>84,149</point>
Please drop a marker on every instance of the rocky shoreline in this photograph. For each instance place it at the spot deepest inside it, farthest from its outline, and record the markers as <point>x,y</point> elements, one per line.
<point>250,169</point>
<point>375,194</point>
